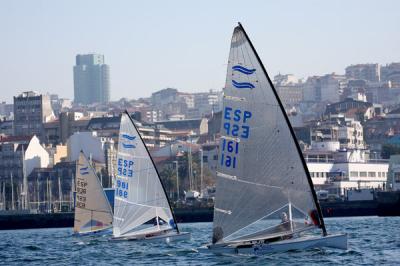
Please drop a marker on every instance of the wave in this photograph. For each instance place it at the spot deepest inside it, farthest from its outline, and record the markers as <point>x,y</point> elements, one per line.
<point>243,85</point>
<point>128,137</point>
<point>243,70</point>
<point>128,146</point>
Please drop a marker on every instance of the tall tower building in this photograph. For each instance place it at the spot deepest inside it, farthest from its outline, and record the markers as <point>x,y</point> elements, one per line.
<point>91,79</point>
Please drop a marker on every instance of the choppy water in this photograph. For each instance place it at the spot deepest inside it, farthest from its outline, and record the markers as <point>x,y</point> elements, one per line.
<point>372,241</point>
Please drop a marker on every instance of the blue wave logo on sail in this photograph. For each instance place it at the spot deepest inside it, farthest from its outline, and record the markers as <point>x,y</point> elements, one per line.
<point>84,170</point>
<point>243,70</point>
<point>128,137</point>
<point>243,85</point>
<point>128,146</point>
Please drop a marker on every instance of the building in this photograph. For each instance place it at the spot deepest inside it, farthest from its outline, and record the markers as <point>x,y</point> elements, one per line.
<point>59,130</point>
<point>391,73</point>
<point>338,170</point>
<point>31,111</point>
<point>91,79</point>
<point>370,72</point>
<point>6,110</point>
<point>346,131</point>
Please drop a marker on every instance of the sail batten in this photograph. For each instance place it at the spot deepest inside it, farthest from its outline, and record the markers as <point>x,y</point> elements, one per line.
<point>139,193</point>
<point>92,211</point>
<point>260,169</point>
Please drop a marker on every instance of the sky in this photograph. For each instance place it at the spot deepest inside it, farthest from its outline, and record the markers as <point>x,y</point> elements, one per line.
<point>151,45</point>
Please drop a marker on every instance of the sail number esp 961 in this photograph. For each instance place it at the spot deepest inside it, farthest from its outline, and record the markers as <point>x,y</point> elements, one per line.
<point>235,125</point>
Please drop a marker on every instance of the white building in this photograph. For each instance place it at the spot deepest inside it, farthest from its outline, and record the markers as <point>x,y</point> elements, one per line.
<point>340,170</point>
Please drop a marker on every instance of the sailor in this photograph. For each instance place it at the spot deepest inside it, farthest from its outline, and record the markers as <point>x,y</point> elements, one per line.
<point>285,225</point>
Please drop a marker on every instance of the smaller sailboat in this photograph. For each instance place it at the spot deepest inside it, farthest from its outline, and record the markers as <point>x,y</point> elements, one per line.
<point>265,200</point>
<point>93,213</point>
<point>142,211</point>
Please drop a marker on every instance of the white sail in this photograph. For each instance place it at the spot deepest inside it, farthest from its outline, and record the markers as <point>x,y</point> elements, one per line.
<point>261,172</point>
<point>139,195</point>
<point>92,211</point>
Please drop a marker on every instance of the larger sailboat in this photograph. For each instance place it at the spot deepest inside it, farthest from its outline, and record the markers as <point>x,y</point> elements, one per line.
<point>141,208</point>
<point>93,212</point>
<point>265,200</point>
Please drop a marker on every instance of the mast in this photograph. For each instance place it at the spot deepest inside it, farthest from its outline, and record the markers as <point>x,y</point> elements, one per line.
<point>12,192</point>
<point>154,165</point>
<point>314,194</point>
<point>25,182</point>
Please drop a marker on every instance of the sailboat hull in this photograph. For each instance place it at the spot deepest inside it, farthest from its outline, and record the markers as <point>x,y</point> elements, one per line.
<point>338,241</point>
<point>167,238</point>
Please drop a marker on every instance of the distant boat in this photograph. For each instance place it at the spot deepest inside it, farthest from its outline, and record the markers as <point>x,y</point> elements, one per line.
<point>93,213</point>
<point>265,200</point>
<point>141,207</point>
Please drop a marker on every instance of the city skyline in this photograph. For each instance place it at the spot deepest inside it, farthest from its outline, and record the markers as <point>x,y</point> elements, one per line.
<point>153,47</point>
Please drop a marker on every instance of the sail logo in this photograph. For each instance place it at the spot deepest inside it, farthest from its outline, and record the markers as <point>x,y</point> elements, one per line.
<point>128,138</point>
<point>242,85</point>
<point>243,70</point>
<point>84,170</point>
<point>246,71</point>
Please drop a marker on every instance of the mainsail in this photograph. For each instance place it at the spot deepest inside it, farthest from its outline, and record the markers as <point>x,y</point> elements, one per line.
<point>139,194</point>
<point>92,211</point>
<point>261,172</point>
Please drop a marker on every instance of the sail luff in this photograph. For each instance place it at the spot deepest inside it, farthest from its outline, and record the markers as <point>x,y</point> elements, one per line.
<point>158,174</point>
<point>314,194</point>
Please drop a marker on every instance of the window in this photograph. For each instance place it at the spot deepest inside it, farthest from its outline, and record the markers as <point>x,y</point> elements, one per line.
<point>397,177</point>
<point>379,174</point>
<point>371,174</point>
<point>353,174</point>
<point>363,174</point>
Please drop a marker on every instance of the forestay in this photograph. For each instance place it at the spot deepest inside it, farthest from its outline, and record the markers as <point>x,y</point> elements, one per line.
<point>260,172</point>
<point>139,194</point>
<point>92,211</point>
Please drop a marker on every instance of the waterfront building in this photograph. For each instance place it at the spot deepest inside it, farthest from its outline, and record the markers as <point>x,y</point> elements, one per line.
<point>393,177</point>
<point>91,79</point>
<point>31,111</point>
<point>19,156</point>
<point>338,170</point>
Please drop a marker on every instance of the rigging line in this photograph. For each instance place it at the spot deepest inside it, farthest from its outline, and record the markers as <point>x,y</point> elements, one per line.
<point>143,203</point>
<point>235,178</point>
<point>92,210</point>
<point>265,216</point>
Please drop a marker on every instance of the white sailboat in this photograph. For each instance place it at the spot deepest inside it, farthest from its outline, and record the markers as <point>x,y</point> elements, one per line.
<point>141,208</point>
<point>93,212</point>
<point>265,200</point>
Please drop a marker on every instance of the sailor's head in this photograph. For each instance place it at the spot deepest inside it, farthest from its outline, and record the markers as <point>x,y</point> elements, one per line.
<point>284,217</point>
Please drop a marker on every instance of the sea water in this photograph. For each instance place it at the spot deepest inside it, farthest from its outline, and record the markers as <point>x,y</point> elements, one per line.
<point>372,241</point>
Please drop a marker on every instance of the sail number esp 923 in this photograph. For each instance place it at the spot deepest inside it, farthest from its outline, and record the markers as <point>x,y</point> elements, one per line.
<point>235,125</point>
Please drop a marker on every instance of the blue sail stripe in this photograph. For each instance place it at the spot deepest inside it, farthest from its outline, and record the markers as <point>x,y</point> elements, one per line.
<point>243,70</point>
<point>84,173</point>
<point>128,137</point>
<point>243,85</point>
<point>128,146</point>
<point>84,168</point>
